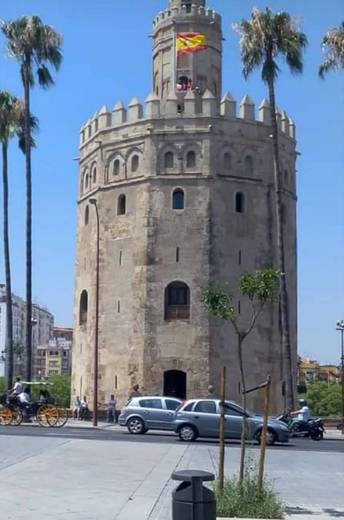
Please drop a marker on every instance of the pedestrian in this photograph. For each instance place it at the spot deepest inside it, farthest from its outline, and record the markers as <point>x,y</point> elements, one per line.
<point>211,392</point>
<point>135,391</point>
<point>76,407</point>
<point>111,409</point>
<point>84,411</point>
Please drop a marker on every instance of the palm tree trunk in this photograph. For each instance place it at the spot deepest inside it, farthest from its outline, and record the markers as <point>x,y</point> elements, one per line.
<point>9,321</point>
<point>286,347</point>
<point>28,371</point>
<point>243,403</point>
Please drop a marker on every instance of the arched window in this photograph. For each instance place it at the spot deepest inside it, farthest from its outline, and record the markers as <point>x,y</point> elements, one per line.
<point>177,301</point>
<point>178,199</point>
<point>121,205</point>
<point>134,163</point>
<point>94,174</point>
<point>239,202</point>
<point>249,166</point>
<point>227,162</point>
<point>86,181</point>
<point>116,167</point>
<point>169,160</point>
<point>191,159</point>
<point>83,308</point>
<point>87,215</point>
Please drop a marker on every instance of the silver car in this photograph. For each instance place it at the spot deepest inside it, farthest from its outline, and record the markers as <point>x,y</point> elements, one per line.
<point>201,418</point>
<point>149,413</point>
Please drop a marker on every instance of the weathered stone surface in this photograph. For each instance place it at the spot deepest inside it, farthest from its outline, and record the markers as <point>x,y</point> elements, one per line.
<point>138,249</point>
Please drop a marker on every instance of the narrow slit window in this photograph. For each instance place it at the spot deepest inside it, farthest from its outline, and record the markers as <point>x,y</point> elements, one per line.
<point>120,257</point>
<point>87,215</point>
<point>239,203</point>
<point>239,257</point>
<point>121,205</point>
<point>177,254</point>
<point>119,306</point>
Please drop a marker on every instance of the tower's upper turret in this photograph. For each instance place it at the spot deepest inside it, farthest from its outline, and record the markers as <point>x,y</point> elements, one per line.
<point>187,50</point>
<point>179,3</point>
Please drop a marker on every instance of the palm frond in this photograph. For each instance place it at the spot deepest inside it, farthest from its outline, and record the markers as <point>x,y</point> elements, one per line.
<point>333,46</point>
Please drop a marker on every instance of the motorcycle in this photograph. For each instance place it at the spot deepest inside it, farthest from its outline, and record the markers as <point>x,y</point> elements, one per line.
<point>314,428</point>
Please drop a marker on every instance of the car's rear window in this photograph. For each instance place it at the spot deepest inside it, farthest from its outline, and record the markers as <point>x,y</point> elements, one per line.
<point>151,403</point>
<point>172,404</point>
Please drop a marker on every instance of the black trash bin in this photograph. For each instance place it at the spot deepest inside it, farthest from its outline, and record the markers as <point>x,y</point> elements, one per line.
<point>191,500</point>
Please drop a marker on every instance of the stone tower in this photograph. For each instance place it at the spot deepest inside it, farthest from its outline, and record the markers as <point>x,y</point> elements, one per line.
<point>184,191</point>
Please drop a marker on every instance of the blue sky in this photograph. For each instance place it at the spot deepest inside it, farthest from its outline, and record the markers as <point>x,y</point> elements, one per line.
<point>107,57</point>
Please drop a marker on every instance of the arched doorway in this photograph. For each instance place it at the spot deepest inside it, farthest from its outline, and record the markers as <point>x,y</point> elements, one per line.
<point>175,384</point>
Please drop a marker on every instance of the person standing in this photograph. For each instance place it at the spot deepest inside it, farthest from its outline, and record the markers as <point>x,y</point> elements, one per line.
<point>135,392</point>
<point>111,409</point>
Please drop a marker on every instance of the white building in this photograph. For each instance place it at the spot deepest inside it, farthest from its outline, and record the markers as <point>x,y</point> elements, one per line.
<point>43,322</point>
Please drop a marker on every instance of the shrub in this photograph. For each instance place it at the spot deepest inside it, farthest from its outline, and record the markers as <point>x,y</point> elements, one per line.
<point>59,389</point>
<point>244,501</point>
<point>324,399</point>
<point>2,385</point>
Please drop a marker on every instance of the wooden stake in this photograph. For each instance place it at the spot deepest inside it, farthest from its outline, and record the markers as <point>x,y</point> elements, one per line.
<point>263,436</point>
<point>222,430</point>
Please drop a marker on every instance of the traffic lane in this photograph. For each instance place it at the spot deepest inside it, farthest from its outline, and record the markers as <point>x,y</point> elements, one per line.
<point>158,437</point>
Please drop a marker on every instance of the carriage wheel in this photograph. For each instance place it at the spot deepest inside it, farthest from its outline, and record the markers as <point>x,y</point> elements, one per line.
<point>47,415</point>
<point>17,416</point>
<point>63,416</point>
<point>5,416</point>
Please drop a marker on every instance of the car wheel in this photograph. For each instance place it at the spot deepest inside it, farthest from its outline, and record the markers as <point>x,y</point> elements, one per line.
<point>187,433</point>
<point>136,426</point>
<point>271,437</point>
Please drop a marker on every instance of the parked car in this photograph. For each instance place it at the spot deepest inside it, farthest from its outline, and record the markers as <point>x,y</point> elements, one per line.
<point>149,413</point>
<point>201,418</point>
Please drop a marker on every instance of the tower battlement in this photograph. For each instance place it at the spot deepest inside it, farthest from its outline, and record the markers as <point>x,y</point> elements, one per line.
<point>183,14</point>
<point>192,106</point>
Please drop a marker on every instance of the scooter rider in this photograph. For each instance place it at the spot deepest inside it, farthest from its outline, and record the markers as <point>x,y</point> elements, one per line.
<point>303,414</point>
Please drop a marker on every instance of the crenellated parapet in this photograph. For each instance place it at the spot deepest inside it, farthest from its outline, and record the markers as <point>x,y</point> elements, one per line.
<point>195,12</point>
<point>190,106</point>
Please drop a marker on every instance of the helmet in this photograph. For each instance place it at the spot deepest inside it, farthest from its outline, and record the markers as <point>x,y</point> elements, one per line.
<point>303,402</point>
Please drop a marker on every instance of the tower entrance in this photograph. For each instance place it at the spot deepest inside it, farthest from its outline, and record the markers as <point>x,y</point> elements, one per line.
<point>175,384</point>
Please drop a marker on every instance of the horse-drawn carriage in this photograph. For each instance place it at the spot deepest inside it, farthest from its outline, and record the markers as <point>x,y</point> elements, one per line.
<point>43,411</point>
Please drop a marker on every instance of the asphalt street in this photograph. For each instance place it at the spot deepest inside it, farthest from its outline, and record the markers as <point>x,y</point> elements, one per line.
<point>334,446</point>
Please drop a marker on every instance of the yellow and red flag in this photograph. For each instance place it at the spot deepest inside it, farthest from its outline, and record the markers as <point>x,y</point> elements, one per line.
<point>187,43</point>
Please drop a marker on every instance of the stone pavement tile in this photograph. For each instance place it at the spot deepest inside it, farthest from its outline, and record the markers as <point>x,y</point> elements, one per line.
<point>84,480</point>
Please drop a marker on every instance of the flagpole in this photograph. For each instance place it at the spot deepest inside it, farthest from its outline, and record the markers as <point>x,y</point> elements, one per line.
<point>174,61</point>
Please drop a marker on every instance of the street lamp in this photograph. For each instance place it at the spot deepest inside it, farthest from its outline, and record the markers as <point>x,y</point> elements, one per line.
<point>93,201</point>
<point>340,327</point>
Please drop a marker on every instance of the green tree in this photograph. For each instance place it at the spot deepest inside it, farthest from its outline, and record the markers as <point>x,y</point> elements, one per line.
<point>263,39</point>
<point>260,288</point>
<point>35,46</point>
<point>324,399</point>
<point>11,121</point>
<point>333,45</point>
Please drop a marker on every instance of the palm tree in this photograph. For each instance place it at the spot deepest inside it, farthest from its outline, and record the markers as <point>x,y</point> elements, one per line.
<point>333,44</point>
<point>35,46</point>
<point>7,129</point>
<point>11,124</point>
<point>263,39</point>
